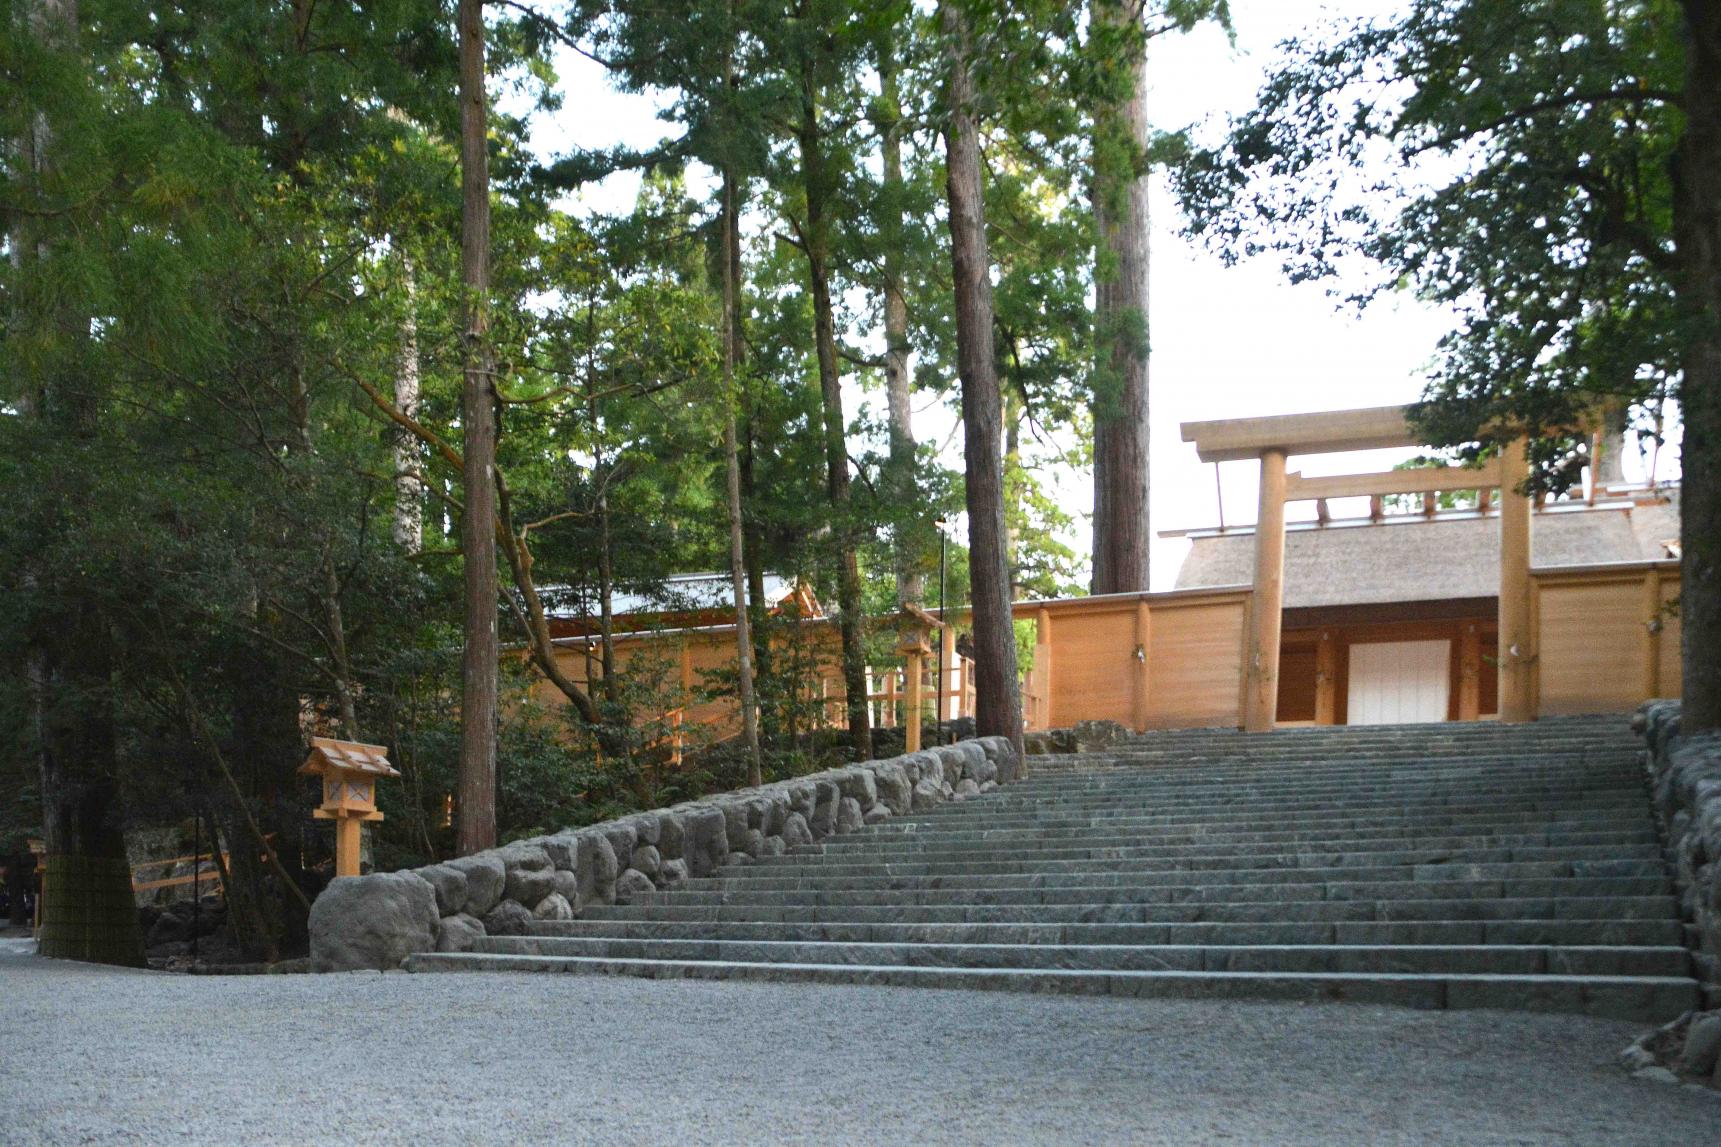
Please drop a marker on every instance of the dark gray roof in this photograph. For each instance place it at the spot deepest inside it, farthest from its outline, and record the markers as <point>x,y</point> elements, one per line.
<point>1412,558</point>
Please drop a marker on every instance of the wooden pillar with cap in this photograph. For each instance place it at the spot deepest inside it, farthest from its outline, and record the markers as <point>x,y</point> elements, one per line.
<point>1517,637</point>
<point>1261,666</point>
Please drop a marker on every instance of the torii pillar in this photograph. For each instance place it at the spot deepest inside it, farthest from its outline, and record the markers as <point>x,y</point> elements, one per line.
<point>1517,647</point>
<point>1267,609</point>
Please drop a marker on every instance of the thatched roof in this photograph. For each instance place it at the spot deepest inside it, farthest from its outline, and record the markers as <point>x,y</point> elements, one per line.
<point>1413,558</point>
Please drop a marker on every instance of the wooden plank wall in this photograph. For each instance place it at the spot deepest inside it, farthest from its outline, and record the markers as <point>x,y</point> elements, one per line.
<point>1605,639</point>
<point>1188,674</point>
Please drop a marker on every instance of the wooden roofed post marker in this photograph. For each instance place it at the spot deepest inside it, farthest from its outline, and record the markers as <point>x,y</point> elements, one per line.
<point>1266,618</point>
<point>1517,641</point>
<point>349,771</point>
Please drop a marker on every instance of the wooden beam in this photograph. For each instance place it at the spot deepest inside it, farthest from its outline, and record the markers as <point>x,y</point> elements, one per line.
<point>1142,651</point>
<point>1261,666</point>
<point>1043,638</point>
<point>1326,679</point>
<point>1232,439</point>
<point>1652,626</point>
<point>1428,481</point>
<point>1517,637</point>
<point>1469,673</point>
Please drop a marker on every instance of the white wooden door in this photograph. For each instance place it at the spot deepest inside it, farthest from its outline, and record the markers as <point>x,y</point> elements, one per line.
<point>1397,682</point>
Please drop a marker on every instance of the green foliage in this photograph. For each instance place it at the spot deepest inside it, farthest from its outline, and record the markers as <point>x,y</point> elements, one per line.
<point>1519,159</point>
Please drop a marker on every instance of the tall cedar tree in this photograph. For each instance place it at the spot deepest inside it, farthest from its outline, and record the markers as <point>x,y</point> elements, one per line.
<point>1121,527</point>
<point>67,664</point>
<point>998,695</point>
<point>479,415</point>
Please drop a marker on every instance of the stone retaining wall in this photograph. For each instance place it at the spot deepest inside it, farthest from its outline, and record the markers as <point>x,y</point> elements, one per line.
<point>377,921</point>
<point>1685,774</point>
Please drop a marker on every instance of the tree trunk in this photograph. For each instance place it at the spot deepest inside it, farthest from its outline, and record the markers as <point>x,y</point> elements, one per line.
<point>910,581</point>
<point>817,241</point>
<point>1697,231</point>
<point>88,912</point>
<point>998,694</point>
<point>1120,407</point>
<point>732,473</point>
<point>478,414</point>
<point>408,490</point>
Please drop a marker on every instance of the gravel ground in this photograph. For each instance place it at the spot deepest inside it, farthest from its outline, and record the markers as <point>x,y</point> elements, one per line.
<point>95,1055</point>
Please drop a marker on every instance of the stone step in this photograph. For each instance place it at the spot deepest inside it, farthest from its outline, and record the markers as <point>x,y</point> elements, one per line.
<point>1232,770</point>
<point>1187,858</point>
<point>1188,912</point>
<point>981,809</point>
<point>1642,999</point>
<point>1633,933</point>
<point>927,845</point>
<point>1407,791</point>
<point>1176,894</point>
<point>1632,815</point>
<point>765,880</point>
<point>1519,960</point>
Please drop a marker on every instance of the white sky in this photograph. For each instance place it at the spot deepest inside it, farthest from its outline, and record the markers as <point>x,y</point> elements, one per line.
<point>1227,342</point>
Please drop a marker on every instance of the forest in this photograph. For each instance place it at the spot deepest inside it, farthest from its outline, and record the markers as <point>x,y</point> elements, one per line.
<point>319,397</point>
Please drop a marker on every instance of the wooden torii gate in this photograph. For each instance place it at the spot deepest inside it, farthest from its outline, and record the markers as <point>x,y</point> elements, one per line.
<point>1274,439</point>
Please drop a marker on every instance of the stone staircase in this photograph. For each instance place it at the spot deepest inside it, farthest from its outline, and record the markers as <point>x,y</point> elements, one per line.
<point>1430,866</point>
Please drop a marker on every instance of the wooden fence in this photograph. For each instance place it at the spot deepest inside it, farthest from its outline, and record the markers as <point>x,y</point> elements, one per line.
<point>1607,636</point>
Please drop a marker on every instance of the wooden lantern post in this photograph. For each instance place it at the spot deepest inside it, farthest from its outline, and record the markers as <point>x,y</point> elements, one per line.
<point>349,771</point>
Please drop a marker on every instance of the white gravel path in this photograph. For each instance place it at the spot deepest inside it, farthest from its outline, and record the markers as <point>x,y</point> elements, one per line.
<point>93,1055</point>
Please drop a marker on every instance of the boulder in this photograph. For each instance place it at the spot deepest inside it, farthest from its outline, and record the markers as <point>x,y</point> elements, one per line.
<point>1002,753</point>
<point>849,816</point>
<point>460,933</point>
<point>980,769</point>
<point>562,849</point>
<point>773,846</point>
<point>776,815</point>
<point>647,829</point>
<point>597,868</point>
<point>1702,1045</point>
<point>485,878</point>
<point>858,784</point>
<point>647,859</point>
<point>735,824</point>
<point>622,837</point>
<point>803,798</point>
<point>673,872</point>
<point>795,831</point>
<point>670,835</point>
<point>567,886</point>
<point>966,787</point>
<point>877,814</point>
<point>919,766</point>
<point>753,843</point>
<point>706,842</point>
<point>632,883</point>
<point>928,794</point>
<point>553,907</point>
<point>895,790</point>
<point>373,921</point>
<point>449,883</point>
<point>823,822</point>
<point>529,873</point>
<point>958,758</point>
<point>509,918</point>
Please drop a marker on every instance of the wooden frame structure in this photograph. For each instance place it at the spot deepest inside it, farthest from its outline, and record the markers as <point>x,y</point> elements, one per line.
<point>1272,440</point>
